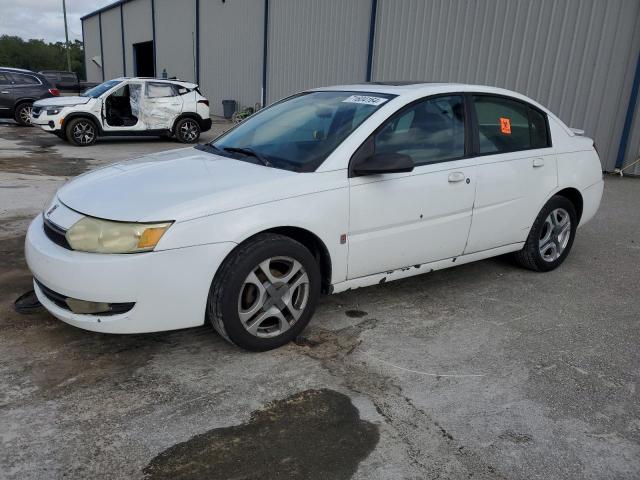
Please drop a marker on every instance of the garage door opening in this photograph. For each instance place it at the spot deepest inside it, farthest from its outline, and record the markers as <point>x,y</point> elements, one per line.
<point>143,59</point>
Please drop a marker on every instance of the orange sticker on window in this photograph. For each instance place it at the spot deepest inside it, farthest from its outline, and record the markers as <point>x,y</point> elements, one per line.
<point>505,126</point>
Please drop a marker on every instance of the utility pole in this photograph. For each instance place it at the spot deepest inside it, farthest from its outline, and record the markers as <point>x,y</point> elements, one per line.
<point>66,34</point>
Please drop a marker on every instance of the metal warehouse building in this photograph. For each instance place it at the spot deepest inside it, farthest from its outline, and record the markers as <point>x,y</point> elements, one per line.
<point>581,58</point>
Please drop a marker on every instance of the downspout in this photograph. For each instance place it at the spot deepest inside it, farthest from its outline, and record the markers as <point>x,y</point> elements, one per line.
<point>198,42</point>
<point>101,50</point>
<point>153,30</point>
<point>264,52</point>
<point>84,51</point>
<point>124,58</point>
<point>628,120</point>
<point>372,35</point>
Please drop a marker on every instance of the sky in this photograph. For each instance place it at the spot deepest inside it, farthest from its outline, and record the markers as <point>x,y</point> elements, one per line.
<point>42,19</point>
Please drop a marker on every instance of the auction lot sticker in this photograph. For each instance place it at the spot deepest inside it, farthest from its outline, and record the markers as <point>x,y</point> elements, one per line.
<point>365,99</point>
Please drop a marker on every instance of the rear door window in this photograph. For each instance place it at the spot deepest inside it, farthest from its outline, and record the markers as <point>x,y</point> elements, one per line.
<point>506,125</point>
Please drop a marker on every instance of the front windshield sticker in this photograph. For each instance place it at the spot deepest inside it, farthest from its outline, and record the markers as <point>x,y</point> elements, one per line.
<point>365,99</point>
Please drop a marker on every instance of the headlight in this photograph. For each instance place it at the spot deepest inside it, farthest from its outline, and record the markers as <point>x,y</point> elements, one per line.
<point>104,236</point>
<point>52,109</point>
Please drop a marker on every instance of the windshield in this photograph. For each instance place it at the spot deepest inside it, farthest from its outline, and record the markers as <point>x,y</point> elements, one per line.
<point>98,90</point>
<point>299,133</point>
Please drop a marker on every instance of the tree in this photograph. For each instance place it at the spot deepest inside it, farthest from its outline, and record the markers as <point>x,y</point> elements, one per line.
<point>39,55</point>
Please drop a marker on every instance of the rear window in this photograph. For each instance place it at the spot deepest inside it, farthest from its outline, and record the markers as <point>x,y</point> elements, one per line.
<point>158,90</point>
<point>67,77</point>
<point>21,79</point>
<point>506,125</point>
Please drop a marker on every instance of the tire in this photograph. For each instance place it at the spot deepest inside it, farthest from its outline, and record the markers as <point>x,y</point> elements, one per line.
<point>22,114</point>
<point>82,132</point>
<point>187,130</point>
<point>255,310</point>
<point>550,239</point>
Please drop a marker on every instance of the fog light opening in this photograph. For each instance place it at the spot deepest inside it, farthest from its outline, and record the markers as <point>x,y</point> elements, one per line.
<point>85,307</point>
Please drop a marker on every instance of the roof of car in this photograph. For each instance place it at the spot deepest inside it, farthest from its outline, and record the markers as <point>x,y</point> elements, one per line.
<point>154,79</point>
<point>18,70</point>
<point>419,89</point>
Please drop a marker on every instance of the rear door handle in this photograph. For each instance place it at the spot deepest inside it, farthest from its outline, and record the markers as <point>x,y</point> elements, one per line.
<point>456,177</point>
<point>538,162</point>
<point>5,92</point>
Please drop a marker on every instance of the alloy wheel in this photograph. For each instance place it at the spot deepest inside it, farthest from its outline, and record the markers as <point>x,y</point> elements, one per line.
<point>25,114</point>
<point>83,133</point>
<point>273,297</point>
<point>189,131</point>
<point>555,235</point>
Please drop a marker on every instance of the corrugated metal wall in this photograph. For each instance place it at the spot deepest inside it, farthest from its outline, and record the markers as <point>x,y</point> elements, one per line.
<point>92,48</point>
<point>575,56</point>
<point>137,28</point>
<point>633,152</point>
<point>312,44</point>
<point>231,50</point>
<point>175,38</point>
<point>112,44</point>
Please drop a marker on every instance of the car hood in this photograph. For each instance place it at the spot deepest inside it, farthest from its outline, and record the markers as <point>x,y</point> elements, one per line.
<point>61,101</point>
<point>176,185</point>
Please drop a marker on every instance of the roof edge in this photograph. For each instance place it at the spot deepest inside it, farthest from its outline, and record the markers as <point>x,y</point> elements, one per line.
<point>104,9</point>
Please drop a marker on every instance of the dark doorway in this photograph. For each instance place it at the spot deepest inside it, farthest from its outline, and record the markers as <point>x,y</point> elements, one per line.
<point>143,59</point>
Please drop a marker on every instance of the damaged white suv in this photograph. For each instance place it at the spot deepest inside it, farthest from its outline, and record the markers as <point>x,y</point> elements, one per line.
<point>126,107</point>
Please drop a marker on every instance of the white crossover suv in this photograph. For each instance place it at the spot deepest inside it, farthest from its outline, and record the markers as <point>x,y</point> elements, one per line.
<point>328,190</point>
<point>126,106</point>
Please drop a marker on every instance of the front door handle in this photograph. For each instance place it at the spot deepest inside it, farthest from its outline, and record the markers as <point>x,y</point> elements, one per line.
<point>5,92</point>
<point>538,162</point>
<point>456,177</point>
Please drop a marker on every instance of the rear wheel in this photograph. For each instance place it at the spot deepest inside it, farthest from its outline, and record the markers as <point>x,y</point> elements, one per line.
<point>264,293</point>
<point>551,236</point>
<point>22,114</point>
<point>82,132</point>
<point>187,130</point>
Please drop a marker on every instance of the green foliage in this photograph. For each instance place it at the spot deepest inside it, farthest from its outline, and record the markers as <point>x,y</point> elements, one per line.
<point>38,55</point>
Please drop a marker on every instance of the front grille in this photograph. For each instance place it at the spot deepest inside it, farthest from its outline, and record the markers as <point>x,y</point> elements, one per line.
<point>56,234</point>
<point>61,301</point>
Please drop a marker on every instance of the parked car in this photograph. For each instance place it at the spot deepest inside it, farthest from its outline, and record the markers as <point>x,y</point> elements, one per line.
<point>328,190</point>
<point>126,106</point>
<point>68,83</point>
<point>19,89</point>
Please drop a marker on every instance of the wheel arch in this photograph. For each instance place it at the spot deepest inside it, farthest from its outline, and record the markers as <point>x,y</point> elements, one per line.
<point>192,115</point>
<point>312,242</point>
<point>575,197</point>
<point>19,102</point>
<point>87,115</point>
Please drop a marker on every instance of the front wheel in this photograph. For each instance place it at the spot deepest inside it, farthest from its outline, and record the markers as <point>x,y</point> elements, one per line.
<point>187,130</point>
<point>551,236</point>
<point>264,293</point>
<point>82,132</point>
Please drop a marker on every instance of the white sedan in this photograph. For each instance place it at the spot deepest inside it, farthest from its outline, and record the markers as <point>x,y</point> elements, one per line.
<point>328,190</point>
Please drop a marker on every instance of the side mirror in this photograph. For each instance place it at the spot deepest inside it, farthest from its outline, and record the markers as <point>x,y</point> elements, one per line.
<point>384,163</point>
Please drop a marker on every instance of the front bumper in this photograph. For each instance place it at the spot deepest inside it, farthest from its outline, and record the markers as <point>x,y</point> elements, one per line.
<point>169,288</point>
<point>48,123</point>
<point>205,125</point>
